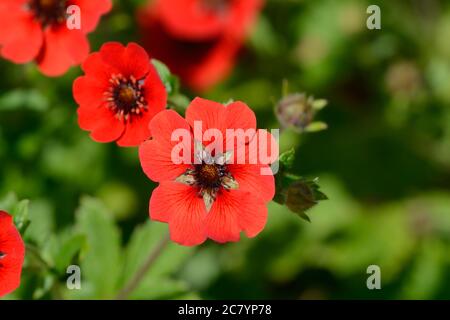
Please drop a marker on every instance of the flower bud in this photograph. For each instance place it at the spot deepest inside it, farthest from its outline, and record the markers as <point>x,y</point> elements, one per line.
<point>297,111</point>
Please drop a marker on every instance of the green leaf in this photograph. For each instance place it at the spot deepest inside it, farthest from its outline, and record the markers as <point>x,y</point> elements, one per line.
<point>20,214</point>
<point>179,103</point>
<point>101,257</point>
<point>287,158</point>
<point>69,245</point>
<point>42,222</point>
<point>170,81</point>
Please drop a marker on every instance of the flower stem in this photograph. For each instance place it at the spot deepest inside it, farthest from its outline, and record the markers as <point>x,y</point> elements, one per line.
<point>134,282</point>
<point>35,252</point>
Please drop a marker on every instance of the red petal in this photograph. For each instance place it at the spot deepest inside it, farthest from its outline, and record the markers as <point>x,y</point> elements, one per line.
<point>164,124</point>
<point>251,180</point>
<point>156,155</point>
<point>136,131</point>
<point>6,222</point>
<point>222,224</point>
<point>157,163</point>
<point>210,113</point>
<point>187,19</point>
<point>156,97</point>
<point>155,91</point>
<point>201,65</point>
<point>180,206</point>
<point>89,92</point>
<point>91,12</point>
<point>234,211</point>
<point>20,36</point>
<point>253,216</point>
<point>63,48</point>
<point>239,116</point>
<point>102,123</point>
<point>95,67</point>
<point>14,248</point>
<point>130,60</point>
<point>243,16</point>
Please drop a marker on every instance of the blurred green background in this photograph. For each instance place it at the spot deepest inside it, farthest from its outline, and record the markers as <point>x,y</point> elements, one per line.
<point>384,163</point>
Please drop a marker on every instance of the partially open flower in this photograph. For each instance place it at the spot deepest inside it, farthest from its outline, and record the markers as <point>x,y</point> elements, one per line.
<point>12,254</point>
<point>212,194</point>
<point>37,30</point>
<point>119,95</point>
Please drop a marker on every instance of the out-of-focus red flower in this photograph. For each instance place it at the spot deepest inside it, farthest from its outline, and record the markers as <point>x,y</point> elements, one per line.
<point>207,199</point>
<point>207,19</point>
<point>198,39</point>
<point>12,254</point>
<point>37,30</point>
<point>119,94</point>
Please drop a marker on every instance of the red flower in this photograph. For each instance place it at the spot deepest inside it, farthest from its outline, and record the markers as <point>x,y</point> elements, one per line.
<point>207,19</point>
<point>37,30</point>
<point>198,39</point>
<point>213,197</point>
<point>12,254</point>
<point>119,95</point>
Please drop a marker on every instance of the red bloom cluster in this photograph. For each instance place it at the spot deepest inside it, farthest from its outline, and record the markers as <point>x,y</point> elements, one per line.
<point>198,39</point>
<point>37,30</point>
<point>12,254</point>
<point>119,95</point>
<point>217,199</point>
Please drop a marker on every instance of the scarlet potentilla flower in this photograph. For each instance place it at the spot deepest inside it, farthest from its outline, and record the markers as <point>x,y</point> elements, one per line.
<point>119,94</point>
<point>12,254</point>
<point>37,30</point>
<point>198,39</point>
<point>211,195</point>
<point>207,19</point>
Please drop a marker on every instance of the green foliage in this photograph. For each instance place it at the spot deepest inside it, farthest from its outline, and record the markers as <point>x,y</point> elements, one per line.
<point>101,257</point>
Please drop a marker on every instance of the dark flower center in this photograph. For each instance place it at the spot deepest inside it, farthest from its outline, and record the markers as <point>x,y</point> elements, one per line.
<point>208,175</point>
<point>210,178</point>
<point>49,12</point>
<point>125,97</point>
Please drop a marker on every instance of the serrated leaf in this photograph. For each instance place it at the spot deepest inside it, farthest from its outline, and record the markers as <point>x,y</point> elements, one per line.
<point>287,158</point>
